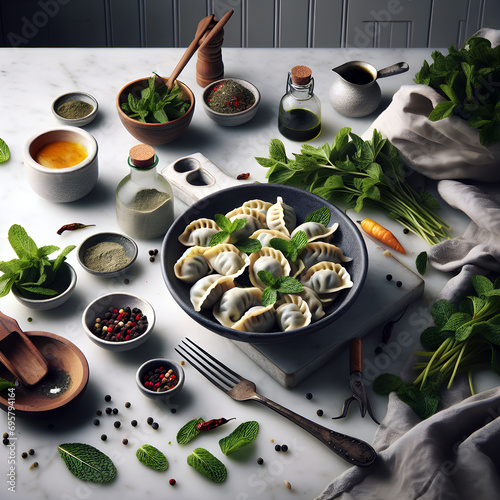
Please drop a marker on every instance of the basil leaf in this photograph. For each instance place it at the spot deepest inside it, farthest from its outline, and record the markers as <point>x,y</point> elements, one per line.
<point>421,262</point>
<point>87,463</point>
<point>189,431</point>
<point>4,151</point>
<point>152,457</point>
<point>242,436</point>
<point>208,465</point>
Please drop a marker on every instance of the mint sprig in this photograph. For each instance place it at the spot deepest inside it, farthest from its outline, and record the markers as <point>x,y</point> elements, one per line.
<point>227,228</point>
<point>322,215</point>
<point>274,286</point>
<point>291,248</point>
<point>152,457</point>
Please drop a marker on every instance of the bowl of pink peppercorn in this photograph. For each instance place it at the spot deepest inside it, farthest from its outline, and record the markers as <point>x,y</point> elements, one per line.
<point>118,321</point>
<point>160,378</point>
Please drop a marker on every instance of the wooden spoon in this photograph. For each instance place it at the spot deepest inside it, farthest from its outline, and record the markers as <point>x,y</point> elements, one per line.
<point>193,47</point>
<point>19,354</point>
<point>220,24</point>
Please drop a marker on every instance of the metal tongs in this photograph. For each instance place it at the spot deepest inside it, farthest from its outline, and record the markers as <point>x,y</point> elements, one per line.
<point>356,381</point>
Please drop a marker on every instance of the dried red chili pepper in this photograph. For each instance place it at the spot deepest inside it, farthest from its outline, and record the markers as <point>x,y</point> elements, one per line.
<point>73,227</point>
<point>242,177</point>
<point>212,424</point>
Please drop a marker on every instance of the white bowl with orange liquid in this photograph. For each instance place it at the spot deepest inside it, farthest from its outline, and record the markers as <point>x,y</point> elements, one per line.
<point>61,163</point>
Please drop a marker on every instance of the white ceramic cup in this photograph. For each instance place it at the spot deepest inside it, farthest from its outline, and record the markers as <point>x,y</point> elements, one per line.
<point>63,184</point>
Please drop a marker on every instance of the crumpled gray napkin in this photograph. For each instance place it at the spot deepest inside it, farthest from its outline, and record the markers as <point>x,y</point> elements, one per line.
<point>455,454</point>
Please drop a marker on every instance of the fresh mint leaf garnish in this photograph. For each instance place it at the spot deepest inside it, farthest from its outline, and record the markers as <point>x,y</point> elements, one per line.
<point>322,215</point>
<point>227,228</point>
<point>282,284</point>
<point>152,457</point>
<point>290,248</point>
<point>421,262</point>
<point>189,431</point>
<point>4,151</point>
<point>87,463</point>
<point>208,465</point>
<point>242,436</point>
<point>248,245</point>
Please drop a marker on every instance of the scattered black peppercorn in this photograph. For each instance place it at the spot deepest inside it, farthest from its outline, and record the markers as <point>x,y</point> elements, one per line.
<point>115,411</point>
<point>6,441</point>
<point>127,405</point>
<point>29,320</point>
<point>126,281</point>
<point>399,284</point>
<point>5,435</point>
<point>125,441</point>
<point>150,420</point>
<point>284,448</point>
<point>24,454</point>
<point>319,413</point>
<point>31,451</point>
<point>260,461</point>
<point>107,398</point>
<point>155,425</point>
<point>151,259</point>
<point>108,410</point>
<point>133,423</point>
<point>406,230</point>
<point>309,395</point>
<point>117,424</point>
<point>388,277</point>
<point>104,437</point>
<point>277,447</point>
<point>379,349</point>
<point>151,252</point>
<point>98,413</point>
<point>172,410</point>
<point>96,421</point>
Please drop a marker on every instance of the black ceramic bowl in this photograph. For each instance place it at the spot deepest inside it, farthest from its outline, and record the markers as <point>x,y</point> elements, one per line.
<point>347,237</point>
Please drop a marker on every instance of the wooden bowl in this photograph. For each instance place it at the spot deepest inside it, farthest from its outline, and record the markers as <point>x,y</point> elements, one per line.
<point>154,134</point>
<point>67,365</point>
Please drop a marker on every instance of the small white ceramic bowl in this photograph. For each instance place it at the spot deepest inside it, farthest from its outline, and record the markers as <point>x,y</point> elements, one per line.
<point>152,364</point>
<point>128,244</point>
<point>231,119</point>
<point>67,275</point>
<point>75,96</point>
<point>119,300</point>
<point>62,184</point>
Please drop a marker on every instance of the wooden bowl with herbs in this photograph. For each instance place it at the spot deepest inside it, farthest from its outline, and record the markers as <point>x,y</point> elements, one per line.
<point>161,126</point>
<point>231,102</point>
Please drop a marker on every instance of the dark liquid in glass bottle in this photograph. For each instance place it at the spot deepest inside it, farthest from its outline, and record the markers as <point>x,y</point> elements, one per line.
<point>299,124</point>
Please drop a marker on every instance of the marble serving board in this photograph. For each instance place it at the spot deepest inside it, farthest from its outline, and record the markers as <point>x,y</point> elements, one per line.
<point>195,176</point>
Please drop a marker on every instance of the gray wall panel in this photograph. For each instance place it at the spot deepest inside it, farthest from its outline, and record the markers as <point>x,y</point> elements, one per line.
<point>124,23</point>
<point>327,24</point>
<point>159,23</point>
<point>448,23</point>
<point>293,23</point>
<point>233,28</point>
<point>260,22</point>
<point>190,14</point>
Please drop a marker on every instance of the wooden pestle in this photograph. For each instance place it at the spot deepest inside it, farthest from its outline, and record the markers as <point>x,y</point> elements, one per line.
<point>19,355</point>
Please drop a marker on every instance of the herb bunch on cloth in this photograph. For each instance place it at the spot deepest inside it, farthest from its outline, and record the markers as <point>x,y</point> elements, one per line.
<point>353,172</point>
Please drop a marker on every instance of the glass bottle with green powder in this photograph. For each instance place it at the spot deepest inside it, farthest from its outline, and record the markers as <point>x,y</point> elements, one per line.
<point>144,199</point>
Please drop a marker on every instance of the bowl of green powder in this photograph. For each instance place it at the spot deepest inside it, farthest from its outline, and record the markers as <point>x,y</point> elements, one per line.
<point>75,108</point>
<point>231,102</point>
<point>107,254</point>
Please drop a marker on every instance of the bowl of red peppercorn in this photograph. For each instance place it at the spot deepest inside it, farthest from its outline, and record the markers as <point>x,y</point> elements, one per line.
<point>160,378</point>
<point>231,102</point>
<point>118,321</point>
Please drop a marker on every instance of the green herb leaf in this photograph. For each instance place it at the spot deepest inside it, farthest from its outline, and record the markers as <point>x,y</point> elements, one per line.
<point>248,245</point>
<point>421,262</point>
<point>266,277</point>
<point>269,296</point>
<point>189,431</point>
<point>4,384</point>
<point>208,465</point>
<point>277,150</point>
<point>287,284</point>
<point>322,215</point>
<point>87,463</point>
<point>4,151</point>
<point>152,457</point>
<point>218,238</point>
<point>387,383</point>
<point>242,436</point>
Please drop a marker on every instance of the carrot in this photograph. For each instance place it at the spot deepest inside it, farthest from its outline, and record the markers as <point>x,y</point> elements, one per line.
<point>381,234</point>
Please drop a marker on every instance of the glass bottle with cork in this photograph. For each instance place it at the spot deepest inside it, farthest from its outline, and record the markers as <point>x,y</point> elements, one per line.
<point>300,109</point>
<point>144,199</point>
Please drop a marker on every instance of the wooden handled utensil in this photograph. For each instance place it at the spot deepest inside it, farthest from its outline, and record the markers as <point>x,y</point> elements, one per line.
<point>220,24</point>
<point>193,47</point>
<point>19,355</point>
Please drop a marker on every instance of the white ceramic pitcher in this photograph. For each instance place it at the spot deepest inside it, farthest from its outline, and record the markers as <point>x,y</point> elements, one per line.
<point>355,91</point>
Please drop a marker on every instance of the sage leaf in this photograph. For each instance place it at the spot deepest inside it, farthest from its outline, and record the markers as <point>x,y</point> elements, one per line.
<point>4,151</point>
<point>188,431</point>
<point>208,465</point>
<point>152,457</point>
<point>242,436</point>
<point>87,463</point>
<point>421,262</point>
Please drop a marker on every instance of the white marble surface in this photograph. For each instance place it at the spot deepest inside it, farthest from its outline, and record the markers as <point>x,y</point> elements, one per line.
<point>30,80</point>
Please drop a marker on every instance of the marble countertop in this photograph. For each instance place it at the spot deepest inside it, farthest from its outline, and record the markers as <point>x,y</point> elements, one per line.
<point>30,80</point>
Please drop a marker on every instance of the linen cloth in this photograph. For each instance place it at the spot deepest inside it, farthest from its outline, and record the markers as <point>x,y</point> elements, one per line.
<point>455,454</point>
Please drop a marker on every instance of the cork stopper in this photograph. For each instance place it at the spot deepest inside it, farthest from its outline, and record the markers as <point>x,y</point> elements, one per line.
<point>301,75</point>
<point>142,155</point>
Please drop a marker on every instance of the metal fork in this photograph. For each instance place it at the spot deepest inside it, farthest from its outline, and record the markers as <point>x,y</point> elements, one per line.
<point>355,451</point>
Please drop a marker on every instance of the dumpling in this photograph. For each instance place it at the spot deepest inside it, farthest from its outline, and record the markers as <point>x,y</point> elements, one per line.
<point>207,291</point>
<point>316,231</point>
<point>293,313</point>
<point>226,259</point>
<point>281,217</point>
<point>257,319</point>
<point>327,278</point>
<point>266,235</point>
<point>199,232</point>
<point>234,303</point>
<point>320,251</point>
<point>255,220</point>
<point>296,267</point>
<point>267,259</point>
<point>192,265</point>
<point>262,206</point>
<point>314,303</point>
